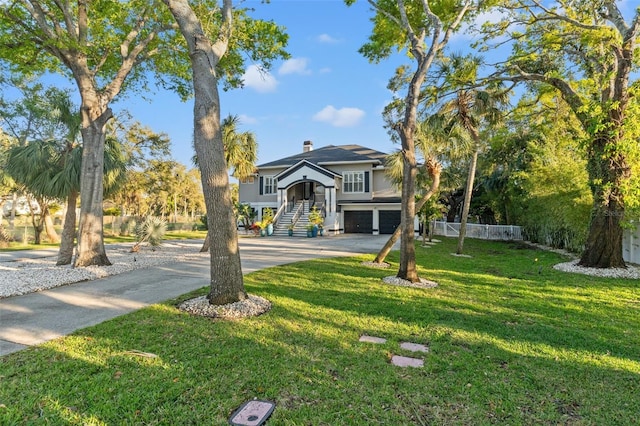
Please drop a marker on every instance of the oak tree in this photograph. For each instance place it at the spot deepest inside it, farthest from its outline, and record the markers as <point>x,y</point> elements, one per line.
<point>207,48</point>
<point>587,52</point>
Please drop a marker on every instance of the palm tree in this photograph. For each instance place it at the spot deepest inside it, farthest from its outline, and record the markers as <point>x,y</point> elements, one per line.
<point>27,165</point>
<point>51,170</point>
<point>467,110</point>
<point>240,152</point>
<point>436,144</point>
<point>240,149</point>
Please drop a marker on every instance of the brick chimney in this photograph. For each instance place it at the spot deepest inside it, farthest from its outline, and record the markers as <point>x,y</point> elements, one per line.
<point>307,146</point>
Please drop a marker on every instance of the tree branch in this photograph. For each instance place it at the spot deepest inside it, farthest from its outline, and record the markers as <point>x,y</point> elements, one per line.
<point>554,15</point>
<point>569,95</point>
<point>71,28</point>
<point>615,17</point>
<point>220,46</point>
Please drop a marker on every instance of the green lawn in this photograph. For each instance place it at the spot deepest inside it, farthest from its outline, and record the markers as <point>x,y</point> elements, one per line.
<point>511,340</point>
<point>108,239</point>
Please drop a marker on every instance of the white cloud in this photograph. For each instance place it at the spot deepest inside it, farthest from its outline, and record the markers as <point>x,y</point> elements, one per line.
<point>294,66</point>
<point>326,38</point>
<point>259,80</point>
<point>246,119</point>
<point>343,117</point>
<point>325,70</point>
<point>468,31</point>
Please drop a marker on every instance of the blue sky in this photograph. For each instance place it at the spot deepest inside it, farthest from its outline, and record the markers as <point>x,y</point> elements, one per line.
<point>327,92</point>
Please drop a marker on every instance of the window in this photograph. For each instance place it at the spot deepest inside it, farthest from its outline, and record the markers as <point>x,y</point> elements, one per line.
<point>269,185</point>
<point>248,180</point>
<point>353,182</point>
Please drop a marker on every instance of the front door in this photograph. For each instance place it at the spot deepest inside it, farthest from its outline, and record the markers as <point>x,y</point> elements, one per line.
<point>307,190</point>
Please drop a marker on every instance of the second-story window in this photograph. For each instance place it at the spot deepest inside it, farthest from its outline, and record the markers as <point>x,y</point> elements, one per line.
<point>269,185</point>
<point>353,182</point>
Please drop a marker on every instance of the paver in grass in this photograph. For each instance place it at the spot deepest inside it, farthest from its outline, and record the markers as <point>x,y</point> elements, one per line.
<point>405,361</point>
<point>414,347</point>
<point>252,413</point>
<point>372,339</point>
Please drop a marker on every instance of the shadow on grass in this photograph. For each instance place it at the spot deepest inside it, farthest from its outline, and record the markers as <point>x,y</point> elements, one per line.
<point>537,350</point>
<point>534,311</point>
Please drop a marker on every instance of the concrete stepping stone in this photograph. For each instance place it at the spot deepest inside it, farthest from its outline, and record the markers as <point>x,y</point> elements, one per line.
<point>414,347</point>
<point>405,361</point>
<point>372,339</point>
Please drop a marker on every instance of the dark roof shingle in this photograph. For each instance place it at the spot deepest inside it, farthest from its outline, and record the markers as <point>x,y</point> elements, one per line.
<point>331,154</point>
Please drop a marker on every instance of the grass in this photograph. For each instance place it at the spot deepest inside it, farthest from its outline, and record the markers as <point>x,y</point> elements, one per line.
<point>109,239</point>
<point>512,341</point>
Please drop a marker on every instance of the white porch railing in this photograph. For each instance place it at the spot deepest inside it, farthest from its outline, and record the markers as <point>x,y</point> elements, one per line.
<point>281,209</point>
<point>474,230</point>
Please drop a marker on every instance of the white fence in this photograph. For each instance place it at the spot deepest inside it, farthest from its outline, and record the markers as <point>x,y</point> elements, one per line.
<point>474,230</point>
<point>631,245</point>
<point>630,239</point>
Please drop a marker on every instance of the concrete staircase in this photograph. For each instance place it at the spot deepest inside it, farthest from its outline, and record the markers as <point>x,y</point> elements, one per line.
<point>300,227</point>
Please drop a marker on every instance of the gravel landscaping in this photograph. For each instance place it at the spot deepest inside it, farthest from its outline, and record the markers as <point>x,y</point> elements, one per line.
<point>26,275</point>
<point>630,272</point>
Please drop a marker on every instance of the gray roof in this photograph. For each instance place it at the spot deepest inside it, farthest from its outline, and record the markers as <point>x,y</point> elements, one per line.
<point>332,154</point>
<point>374,200</point>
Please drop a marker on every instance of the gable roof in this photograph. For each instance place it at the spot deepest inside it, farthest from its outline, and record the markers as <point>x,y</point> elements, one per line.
<point>305,164</point>
<point>331,154</point>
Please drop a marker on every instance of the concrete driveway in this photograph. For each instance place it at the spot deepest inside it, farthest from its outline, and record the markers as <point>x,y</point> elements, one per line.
<point>35,318</point>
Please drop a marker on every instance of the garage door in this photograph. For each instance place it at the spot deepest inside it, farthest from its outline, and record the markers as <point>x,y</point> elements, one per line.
<point>389,221</point>
<point>358,222</point>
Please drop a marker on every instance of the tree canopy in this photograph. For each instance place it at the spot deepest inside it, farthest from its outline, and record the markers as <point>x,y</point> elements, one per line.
<point>586,52</point>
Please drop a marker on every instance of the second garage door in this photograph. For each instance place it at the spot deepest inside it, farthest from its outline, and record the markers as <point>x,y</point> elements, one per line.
<point>389,220</point>
<point>358,222</point>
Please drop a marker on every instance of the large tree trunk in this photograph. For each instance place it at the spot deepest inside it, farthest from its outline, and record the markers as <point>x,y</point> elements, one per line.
<point>65,254</point>
<point>603,248</point>
<point>37,230</point>
<point>37,222</point>
<point>607,173</point>
<point>50,230</point>
<point>434,171</point>
<point>468,190</point>
<point>227,282</point>
<point>91,249</point>
<point>407,269</point>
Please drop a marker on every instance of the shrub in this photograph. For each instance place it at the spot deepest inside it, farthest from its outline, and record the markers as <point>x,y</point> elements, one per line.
<point>151,231</point>
<point>204,224</point>
<point>112,211</point>
<point>5,237</point>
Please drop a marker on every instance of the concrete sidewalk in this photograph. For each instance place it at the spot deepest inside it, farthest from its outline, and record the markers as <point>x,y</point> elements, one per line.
<point>38,317</point>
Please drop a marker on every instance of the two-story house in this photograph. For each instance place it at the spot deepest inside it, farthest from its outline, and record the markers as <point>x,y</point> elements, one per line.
<point>347,183</point>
